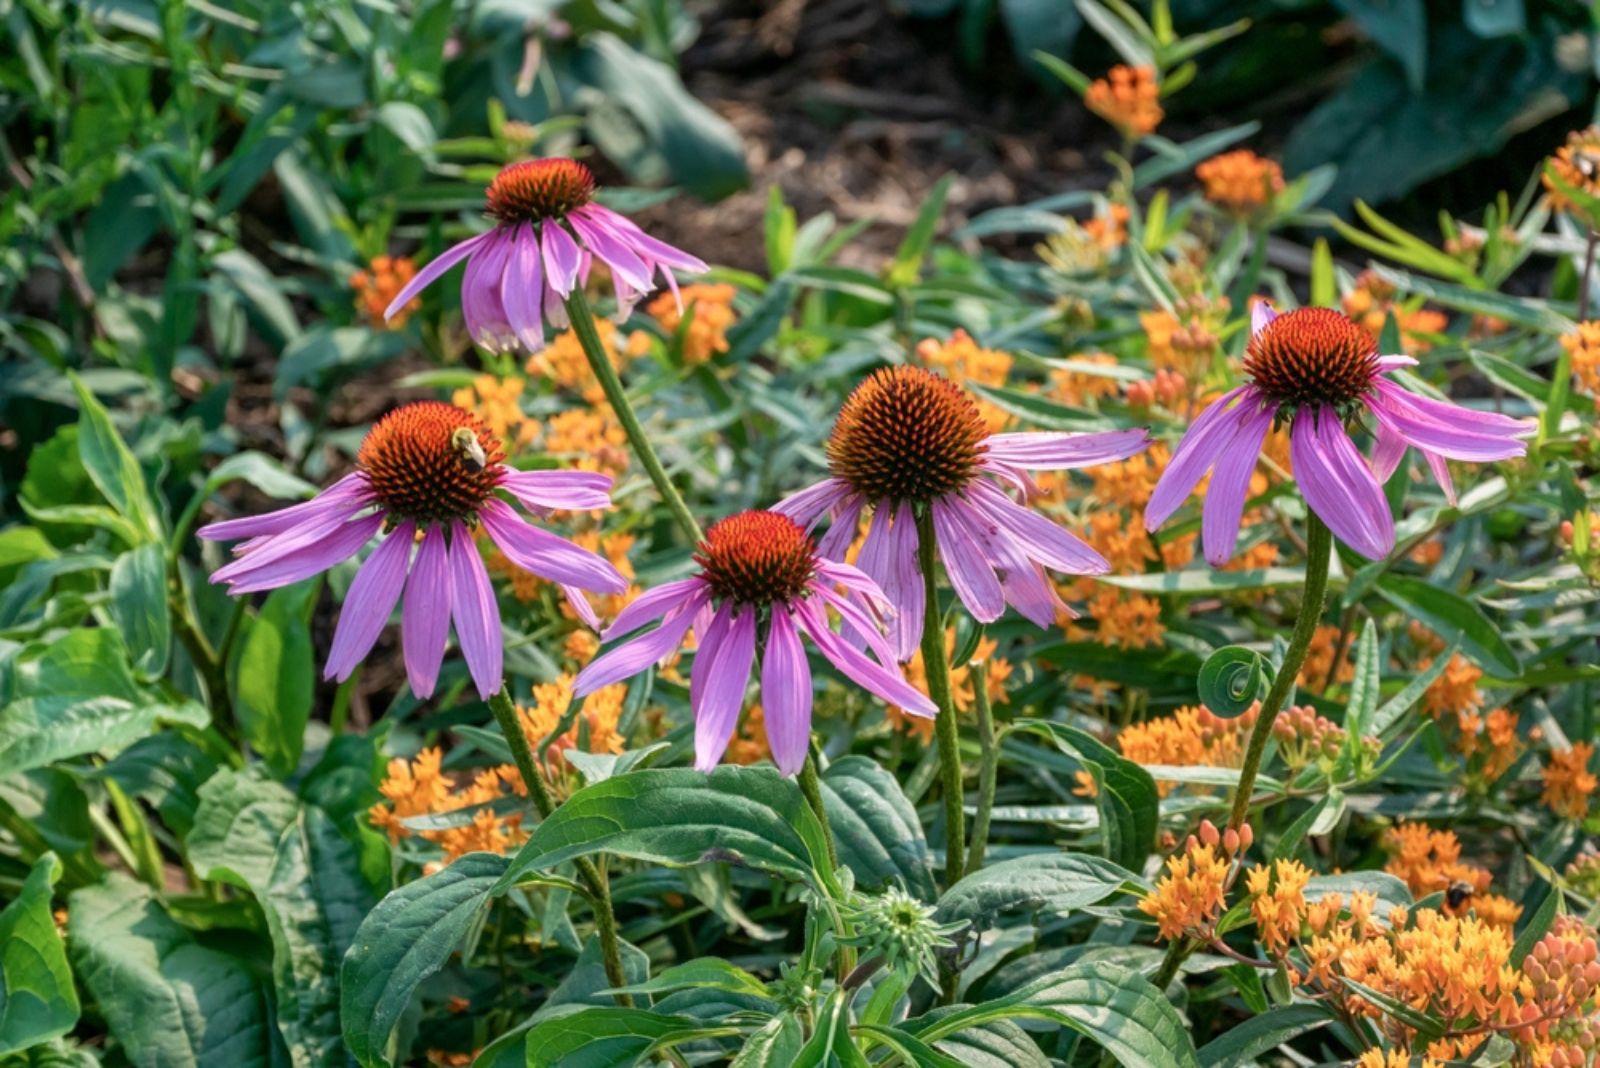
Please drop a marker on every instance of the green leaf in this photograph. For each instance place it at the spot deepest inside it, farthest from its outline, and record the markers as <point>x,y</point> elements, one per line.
<point>111,466</point>
<point>1394,709</point>
<point>1389,890</point>
<point>1195,581</point>
<point>36,731</point>
<point>1262,1034</point>
<point>776,1045</point>
<point>711,973</point>
<point>875,827</point>
<point>258,289</point>
<point>1055,883</point>
<point>1112,1006</point>
<point>995,1044</point>
<point>603,1037</point>
<point>410,124</point>
<point>1125,797</point>
<point>273,674</point>
<point>261,471</point>
<point>678,816</point>
<point>169,1001</point>
<point>1232,679</point>
<point>1363,703</point>
<point>1453,618</point>
<point>1399,27</point>
<point>405,939</point>
<point>139,607</point>
<point>907,264</point>
<point>37,999</point>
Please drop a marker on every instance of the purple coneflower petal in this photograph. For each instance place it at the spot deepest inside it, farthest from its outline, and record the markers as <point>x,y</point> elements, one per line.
<point>547,555</point>
<point>652,605</point>
<point>625,265</point>
<point>1449,414</point>
<point>971,574</point>
<point>633,656</point>
<point>1338,485</point>
<point>858,582</point>
<point>1394,362</point>
<point>1043,450</point>
<point>370,601</point>
<point>885,683</point>
<point>425,619</point>
<point>313,559</point>
<point>1441,475</point>
<point>523,291</point>
<point>562,259</point>
<point>1230,484</point>
<point>1261,313</point>
<point>257,553</point>
<point>786,693</point>
<point>646,246</point>
<point>571,491</point>
<point>873,559</point>
<point>857,620</point>
<point>429,274</point>
<point>716,688</point>
<point>1202,444</point>
<point>336,499</point>
<point>836,542</point>
<point>481,305</point>
<point>1052,545</point>
<point>1387,451</point>
<point>1449,429</point>
<point>910,597</point>
<point>809,505</point>
<point>581,606</point>
<point>474,610</point>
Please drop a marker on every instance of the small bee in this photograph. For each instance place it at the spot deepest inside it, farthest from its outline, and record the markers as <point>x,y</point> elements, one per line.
<point>1458,894</point>
<point>467,446</point>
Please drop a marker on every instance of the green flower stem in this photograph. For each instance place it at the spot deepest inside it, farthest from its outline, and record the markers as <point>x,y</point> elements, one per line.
<point>811,787</point>
<point>936,665</point>
<point>1178,951</point>
<point>1319,552</point>
<point>605,921</point>
<point>600,363</point>
<point>988,771</point>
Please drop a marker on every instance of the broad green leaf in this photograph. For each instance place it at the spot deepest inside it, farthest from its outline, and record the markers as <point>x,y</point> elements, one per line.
<point>1194,581</point>
<point>111,466</point>
<point>139,607</point>
<point>608,1037</point>
<point>1055,883</point>
<point>776,1045</point>
<point>1125,796</point>
<point>1453,618</point>
<point>273,674</point>
<point>585,982</point>
<point>402,941</point>
<point>678,816</point>
<point>875,827</point>
<point>261,471</point>
<point>1114,1007</point>
<point>708,972</point>
<point>36,731</point>
<point>1390,892</point>
<point>169,1001</point>
<point>995,1044</point>
<point>1262,1034</point>
<point>37,999</point>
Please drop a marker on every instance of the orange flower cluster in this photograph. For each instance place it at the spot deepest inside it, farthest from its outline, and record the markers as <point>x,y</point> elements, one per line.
<point>710,311</point>
<point>1456,691</point>
<point>595,729</point>
<point>749,743</point>
<point>497,401</point>
<point>1193,736</point>
<point>1319,659</point>
<point>1240,181</point>
<point>1191,895</point>
<point>1169,389</point>
<point>964,361</point>
<point>1371,301</point>
<point>1188,342</point>
<point>378,285</point>
<point>1489,742</point>
<point>1109,229</point>
<point>1568,782</point>
<point>1393,1058</point>
<point>1584,347</point>
<point>1278,902</point>
<point>1429,861</point>
<point>1305,737</point>
<point>1123,618</point>
<point>1080,387</point>
<point>1577,163</point>
<point>563,360</point>
<point>590,439</point>
<point>1129,98</point>
<point>963,691</point>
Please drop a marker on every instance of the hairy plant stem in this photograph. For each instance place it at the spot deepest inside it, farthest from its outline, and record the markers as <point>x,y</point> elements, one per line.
<point>600,363</point>
<point>605,921</point>
<point>936,665</point>
<point>1319,552</point>
<point>988,770</point>
<point>1178,951</point>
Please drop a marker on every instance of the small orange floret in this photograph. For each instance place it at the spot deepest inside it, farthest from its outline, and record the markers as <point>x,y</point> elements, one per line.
<point>378,285</point>
<point>1241,181</point>
<point>1129,98</point>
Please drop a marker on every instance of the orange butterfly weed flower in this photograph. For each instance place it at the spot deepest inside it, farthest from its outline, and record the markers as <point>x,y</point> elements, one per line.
<point>1129,98</point>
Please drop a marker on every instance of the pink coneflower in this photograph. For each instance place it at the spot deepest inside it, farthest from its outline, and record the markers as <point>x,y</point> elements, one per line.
<point>910,442</point>
<point>548,232</point>
<point>760,578</point>
<point>427,476</point>
<point>1317,370</point>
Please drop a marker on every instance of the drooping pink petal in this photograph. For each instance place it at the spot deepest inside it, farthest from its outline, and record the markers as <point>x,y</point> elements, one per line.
<point>370,601</point>
<point>475,611</point>
<point>439,265</point>
<point>786,693</point>
<point>1050,451</point>
<point>1022,584</point>
<point>648,248</point>
<point>911,598</point>
<point>809,505</point>
<point>873,559</point>
<point>1448,414</point>
<point>1261,313</point>
<point>481,306</point>
<point>562,260</point>
<point>719,700</point>
<point>971,574</point>
<point>547,555</point>
<point>1394,363</point>
<point>1387,452</point>
<point>626,266</point>
<point>1230,485</point>
<point>1441,475</point>
<point>1202,443</point>
<point>1448,429</point>
<point>859,583</point>
<point>259,552</point>
<point>523,291</point>
<point>884,682</point>
<point>836,542</point>
<point>571,491</point>
<point>634,655</point>
<point>425,619</point>
<point>581,606</point>
<point>1338,486</point>
<point>345,497</point>
<point>337,547</point>
<point>852,616</point>
<point>652,604</point>
<point>1053,546</point>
